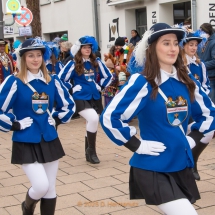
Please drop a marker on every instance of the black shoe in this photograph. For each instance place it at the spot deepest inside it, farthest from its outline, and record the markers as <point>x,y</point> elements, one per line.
<point>91,155</point>
<point>196,174</point>
<point>28,206</point>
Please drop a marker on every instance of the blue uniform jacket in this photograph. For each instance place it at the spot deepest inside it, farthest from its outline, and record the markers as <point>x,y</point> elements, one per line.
<point>57,67</point>
<point>135,100</point>
<point>89,89</point>
<point>200,74</point>
<point>16,95</point>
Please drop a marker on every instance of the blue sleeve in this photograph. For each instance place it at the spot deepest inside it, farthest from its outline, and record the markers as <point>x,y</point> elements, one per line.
<point>8,94</point>
<point>58,67</point>
<point>203,111</point>
<point>124,106</point>
<point>205,82</point>
<point>65,107</point>
<point>210,64</point>
<point>67,73</point>
<point>105,74</point>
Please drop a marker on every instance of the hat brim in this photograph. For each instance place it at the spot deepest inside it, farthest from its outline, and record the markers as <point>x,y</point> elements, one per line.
<point>188,39</point>
<point>3,42</point>
<point>177,31</point>
<point>23,50</point>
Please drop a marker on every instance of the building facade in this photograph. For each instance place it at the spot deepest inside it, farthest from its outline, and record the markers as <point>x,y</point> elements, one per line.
<point>108,19</point>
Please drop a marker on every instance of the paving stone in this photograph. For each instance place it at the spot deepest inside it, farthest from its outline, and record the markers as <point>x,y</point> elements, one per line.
<point>105,172</point>
<point>102,193</point>
<point>102,182</point>
<point>9,191</point>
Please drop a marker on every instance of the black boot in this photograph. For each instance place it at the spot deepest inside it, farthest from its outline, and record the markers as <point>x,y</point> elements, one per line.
<point>29,205</point>
<point>47,206</point>
<point>91,150</point>
<point>86,146</point>
<point>197,150</point>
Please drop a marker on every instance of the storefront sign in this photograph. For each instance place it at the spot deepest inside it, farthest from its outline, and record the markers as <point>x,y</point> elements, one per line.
<point>154,17</point>
<point>8,30</point>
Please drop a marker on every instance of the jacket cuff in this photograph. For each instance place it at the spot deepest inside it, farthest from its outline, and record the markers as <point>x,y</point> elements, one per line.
<point>196,135</point>
<point>133,144</point>
<point>15,126</point>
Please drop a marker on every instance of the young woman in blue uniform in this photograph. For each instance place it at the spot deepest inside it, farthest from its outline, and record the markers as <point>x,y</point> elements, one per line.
<point>88,74</point>
<point>198,70</point>
<point>36,146</point>
<point>161,164</point>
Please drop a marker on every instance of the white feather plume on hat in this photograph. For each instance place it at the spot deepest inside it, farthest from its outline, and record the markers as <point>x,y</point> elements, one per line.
<point>75,48</point>
<point>140,49</point>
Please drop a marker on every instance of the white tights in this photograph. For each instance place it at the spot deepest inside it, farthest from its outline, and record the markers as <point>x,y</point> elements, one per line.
<point>92,119</point>
<point>178,207</point>
<point>42,178</point>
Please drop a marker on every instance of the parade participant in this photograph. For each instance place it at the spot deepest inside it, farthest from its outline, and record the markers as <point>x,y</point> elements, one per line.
<point>161,164</point>
<point>192,61</point>
<point>6,62</point>
<point>198,69</point>
<point>36,146</point>
<point>86,92</point>
<point>53,64</point>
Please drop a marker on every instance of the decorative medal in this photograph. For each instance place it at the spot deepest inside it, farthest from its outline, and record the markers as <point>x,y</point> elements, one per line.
<point>89,75</point>
<point>177,110</point>
<point>40,102</point>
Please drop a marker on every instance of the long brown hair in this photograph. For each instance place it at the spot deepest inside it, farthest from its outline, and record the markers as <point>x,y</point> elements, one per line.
<point>22,74</point>
<point>152,71</point>
<point>79,66</point>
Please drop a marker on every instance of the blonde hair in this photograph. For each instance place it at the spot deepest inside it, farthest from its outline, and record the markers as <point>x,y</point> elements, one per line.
<point>22,74</point>
<point>66,45</point>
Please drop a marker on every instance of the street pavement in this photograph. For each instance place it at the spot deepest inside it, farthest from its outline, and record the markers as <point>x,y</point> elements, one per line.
<point>84,188</point>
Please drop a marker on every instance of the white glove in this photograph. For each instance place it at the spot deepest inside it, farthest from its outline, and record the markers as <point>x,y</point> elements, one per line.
<point>25,123</point>
<point>76,88</point>
<point>207,137</point>
<point>191,142</point>
<point>98,87</point>
<point>51,121</point>
<point>148,147</point>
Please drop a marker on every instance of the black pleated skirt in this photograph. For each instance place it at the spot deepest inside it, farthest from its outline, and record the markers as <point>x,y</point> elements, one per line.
<point>158,188</point>
<point>43,152</point>
<point>84,104</point>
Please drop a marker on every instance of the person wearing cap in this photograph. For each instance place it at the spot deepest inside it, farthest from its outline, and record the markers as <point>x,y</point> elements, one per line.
<point>84,71</point>
<point>198,70</point>
<point>36,146</point>
<point>6,62</point>
<point>161,164</point>
<point>207,55</point>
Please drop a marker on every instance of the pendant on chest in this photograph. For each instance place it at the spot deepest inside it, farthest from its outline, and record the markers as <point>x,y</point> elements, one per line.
<point>177,110</point>
<point>40,102</point>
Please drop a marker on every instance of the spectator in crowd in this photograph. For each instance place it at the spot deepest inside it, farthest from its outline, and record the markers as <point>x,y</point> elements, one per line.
<point>65,55</point>
<point>135,37</point>
<point>207,55</point>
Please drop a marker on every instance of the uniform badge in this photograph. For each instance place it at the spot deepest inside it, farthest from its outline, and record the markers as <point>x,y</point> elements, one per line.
<point>40,102</point>
<point>89,75</point>
<point>177,110</point>
<point>196,77</point>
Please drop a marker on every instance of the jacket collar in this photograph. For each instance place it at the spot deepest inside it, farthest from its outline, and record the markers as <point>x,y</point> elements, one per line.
<point>86,60</point>
<point>191,60</point>
<point>31,77</point>
<point>165,75</point>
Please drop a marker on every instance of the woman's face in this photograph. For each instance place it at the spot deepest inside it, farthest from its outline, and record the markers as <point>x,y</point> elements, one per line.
<point>167,49</point>
<point>86,50</point>
<point>133,33</point>
<point>34,60</point>
<point>190,48</point>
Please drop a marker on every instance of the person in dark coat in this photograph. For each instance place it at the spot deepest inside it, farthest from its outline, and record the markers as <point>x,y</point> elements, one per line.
<point>135,37</point>
<point>207,55</point>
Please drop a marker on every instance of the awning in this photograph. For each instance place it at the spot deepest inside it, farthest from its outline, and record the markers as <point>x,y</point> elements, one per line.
<point>117,2</point>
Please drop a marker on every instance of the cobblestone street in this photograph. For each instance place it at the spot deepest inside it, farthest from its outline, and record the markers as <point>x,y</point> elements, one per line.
<point>84,188</point>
